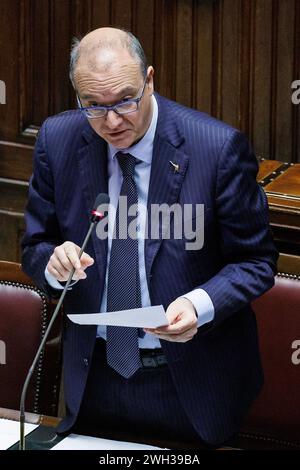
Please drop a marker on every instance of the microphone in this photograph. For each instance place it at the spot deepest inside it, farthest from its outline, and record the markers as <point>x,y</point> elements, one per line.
<point>96,216</point>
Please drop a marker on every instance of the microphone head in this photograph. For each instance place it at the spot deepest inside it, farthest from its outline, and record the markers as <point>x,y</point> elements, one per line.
<point>101,200</point>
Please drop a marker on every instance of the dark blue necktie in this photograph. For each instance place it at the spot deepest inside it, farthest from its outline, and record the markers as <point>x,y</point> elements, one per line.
<point>123,289</point>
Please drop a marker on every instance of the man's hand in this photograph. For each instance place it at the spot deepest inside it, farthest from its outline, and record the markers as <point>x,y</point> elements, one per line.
<point>64,258</point>
<point>183,322</point>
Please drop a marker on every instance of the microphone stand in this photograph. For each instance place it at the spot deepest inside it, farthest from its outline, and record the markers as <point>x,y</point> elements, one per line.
<point>95,218</point>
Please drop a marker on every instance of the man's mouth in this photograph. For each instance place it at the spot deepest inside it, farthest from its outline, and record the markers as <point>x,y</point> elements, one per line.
<point>118,132</point>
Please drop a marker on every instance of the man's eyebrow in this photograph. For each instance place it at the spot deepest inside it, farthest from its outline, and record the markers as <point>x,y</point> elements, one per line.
<point>129,90</point>
<point>87,97</point>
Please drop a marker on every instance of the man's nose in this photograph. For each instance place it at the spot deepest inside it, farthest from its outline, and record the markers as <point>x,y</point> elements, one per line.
<point>113,119</point>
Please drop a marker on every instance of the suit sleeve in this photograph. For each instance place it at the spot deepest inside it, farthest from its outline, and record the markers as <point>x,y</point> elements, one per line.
<point>249,255</point>
<point>42,228</point>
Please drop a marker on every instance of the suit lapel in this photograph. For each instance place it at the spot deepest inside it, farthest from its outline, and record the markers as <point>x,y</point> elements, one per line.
<point>165,182</point>
<point>92,160</point>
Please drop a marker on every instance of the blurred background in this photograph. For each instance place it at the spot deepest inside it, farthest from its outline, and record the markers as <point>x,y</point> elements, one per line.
<point>234,59</point>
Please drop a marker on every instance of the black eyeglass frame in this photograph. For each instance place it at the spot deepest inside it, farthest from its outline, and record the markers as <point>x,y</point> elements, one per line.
<point>113,107</point>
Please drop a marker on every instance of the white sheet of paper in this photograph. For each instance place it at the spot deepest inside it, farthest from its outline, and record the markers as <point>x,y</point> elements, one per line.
<point>10,432</point>
<point>78,442</point>
<point>145,317</point>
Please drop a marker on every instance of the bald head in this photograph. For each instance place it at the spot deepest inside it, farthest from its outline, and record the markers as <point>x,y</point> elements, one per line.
<point>104,37</point>
<point>99,50</point>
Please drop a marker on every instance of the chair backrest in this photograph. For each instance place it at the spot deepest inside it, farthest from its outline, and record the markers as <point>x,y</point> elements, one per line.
<point>24,315</point>
<point>274,419</point>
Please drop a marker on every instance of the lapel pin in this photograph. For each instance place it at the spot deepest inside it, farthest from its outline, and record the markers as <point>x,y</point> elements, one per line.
<point>175,166</point>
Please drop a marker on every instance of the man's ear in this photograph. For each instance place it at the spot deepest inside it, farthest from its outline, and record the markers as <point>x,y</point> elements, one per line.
<point>150,81</point>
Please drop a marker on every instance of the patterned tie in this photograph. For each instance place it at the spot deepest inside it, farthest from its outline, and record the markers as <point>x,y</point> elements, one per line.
<point>124,290</point>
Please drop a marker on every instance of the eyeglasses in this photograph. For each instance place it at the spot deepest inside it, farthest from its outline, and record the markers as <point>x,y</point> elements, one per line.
<point>123,107</point>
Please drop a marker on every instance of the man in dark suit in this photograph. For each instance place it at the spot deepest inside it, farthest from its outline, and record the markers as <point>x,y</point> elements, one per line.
<point>196,378</point>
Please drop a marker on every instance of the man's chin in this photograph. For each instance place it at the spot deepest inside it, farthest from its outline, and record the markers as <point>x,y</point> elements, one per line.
<point>121,140</point>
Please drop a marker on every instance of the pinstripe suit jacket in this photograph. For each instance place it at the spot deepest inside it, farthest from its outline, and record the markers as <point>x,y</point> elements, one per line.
<point>218,373</point>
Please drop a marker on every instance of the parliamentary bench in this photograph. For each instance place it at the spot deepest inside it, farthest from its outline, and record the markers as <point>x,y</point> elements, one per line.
<point>274,419</point>
<point>24,315</point>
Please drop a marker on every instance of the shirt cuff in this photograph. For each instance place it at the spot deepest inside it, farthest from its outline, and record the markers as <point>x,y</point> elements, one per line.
<point>54,283</point>
<point>203,305</point>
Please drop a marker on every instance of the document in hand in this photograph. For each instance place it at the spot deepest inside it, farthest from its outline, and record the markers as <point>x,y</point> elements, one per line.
<point>145,317</point>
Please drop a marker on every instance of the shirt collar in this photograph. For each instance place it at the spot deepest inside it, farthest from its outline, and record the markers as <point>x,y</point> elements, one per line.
<point>144,148</point>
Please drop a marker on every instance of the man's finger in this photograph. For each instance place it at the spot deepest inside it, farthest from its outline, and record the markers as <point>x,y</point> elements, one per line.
<point>55,263</point>
<point>56,272</point>
<point>172,312</point>
<point>71,252</point>
<point>86,260</point>
<point>60,254</point>
<point>79,274</point>
<point>183,323</point>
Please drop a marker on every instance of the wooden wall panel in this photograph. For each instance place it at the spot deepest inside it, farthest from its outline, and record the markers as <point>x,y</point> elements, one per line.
<point>40,63</point>
<point>217,71</point>
<point>204,57</point>
<point>262,78</point>
<point>230,47</point>
<point>10,238</point>
<point>296,75</point>
<point>235,59</point>
<point>246,61</point>
<point>284,78</point>
<point>13,196</point>
<point>143,25</point>
<point>81,16</point>
<point>59,52</point>
<point>184,52</point>
<point>15,160</point>
<point>164,59</point>
<point>100,14</point>
<point>9,46</point>
<point>122,13</point>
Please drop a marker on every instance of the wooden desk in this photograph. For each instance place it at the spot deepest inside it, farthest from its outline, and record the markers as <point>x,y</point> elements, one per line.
<point>51,422</point>
<point>281,182</point>
<point>32,418</point>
